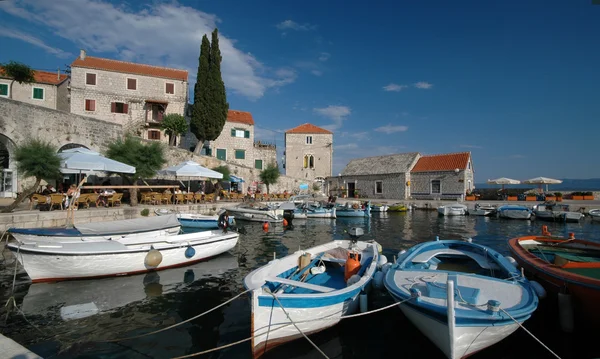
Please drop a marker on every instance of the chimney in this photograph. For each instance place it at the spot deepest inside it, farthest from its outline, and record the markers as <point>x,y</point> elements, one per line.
<point>58,74</point>
<point>82,54</point>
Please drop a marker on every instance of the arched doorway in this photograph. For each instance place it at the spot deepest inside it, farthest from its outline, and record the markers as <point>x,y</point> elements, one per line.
<point>69,146</point>
<point>8,168</point>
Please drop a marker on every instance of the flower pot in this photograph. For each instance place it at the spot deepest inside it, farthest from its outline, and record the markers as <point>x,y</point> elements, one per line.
<point>512,198</point>
<point>588,198</point>
<point>470,198</point>
<point>530,198</point>
<point>558,199</point>
<point>550,198</point>
<point>577,198</point>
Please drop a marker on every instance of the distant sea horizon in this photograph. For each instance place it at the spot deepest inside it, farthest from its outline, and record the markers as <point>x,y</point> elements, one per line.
<point>568,184</point>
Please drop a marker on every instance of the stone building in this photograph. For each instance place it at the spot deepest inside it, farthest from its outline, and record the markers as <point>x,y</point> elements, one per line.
<point>133,95</point>
<point>308,152</point>
<point>406,175</point>
<point>50,90</point>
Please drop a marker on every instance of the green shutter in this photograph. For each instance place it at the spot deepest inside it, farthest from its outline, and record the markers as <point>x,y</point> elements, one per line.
<point>233,132</point>
<point>240,154</point>
<point>246,134</point>
<point>258,164</point>
<point>38,93</point>
<point>222,154</point>
<point>3,89</point>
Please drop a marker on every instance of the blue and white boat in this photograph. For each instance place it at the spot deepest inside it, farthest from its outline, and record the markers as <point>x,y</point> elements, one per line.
<point>311,287</point>
<point>514,211</point>
<point>353,210</point>
<point>191,220</point>
<point>313,210</point>
<point>461,295</point>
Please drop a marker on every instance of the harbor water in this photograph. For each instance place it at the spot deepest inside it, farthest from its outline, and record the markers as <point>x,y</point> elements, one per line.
<point>80,319</point>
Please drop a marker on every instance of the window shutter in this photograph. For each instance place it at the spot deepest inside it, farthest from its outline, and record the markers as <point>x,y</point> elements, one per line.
<point>131,84</point>
<point>160,116</point>
<point>126,108</point>
<point>170,88</point>
<point>113,107</point>
<point>246,134</point>
<point>233,132</point>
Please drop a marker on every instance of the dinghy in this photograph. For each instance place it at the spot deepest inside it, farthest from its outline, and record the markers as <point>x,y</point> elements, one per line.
<point>379,208</point>
<point>315,287</point>
<point>191,220</point>
<point>483,210</point>
<point>556,212</point>
<point>595,215</point>
<point>354,209</point>
<point>460,294</point>
<point>313,210</point>
<point>257,212</point>
<point>513,211</point>
<point>455,209</point>
<point>49,259</point>
<point>397,208</point>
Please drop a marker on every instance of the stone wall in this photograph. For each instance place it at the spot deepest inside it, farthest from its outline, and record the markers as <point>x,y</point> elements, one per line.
<point>453,185</point>
<point>63,99</point>
<point>296,148</point>
<point>393,186</point>
<point>231,143</point>
<point>24,93</point>
<point>265,153</point>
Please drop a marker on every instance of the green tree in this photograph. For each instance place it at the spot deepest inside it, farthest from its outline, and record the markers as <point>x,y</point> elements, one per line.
<point>209,111</point>
<point>147,158</point>
<point>35,158</point>
<point>17,72</point>
<point>223,170</point>
<point>174,125</point>
<point>270,175</point>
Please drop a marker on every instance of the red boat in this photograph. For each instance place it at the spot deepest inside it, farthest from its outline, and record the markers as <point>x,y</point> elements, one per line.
<point>561,265</point>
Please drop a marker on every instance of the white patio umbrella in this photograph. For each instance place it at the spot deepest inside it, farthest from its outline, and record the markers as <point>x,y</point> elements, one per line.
<point>542,181</point>
<point>190,169</point>
<point>83,160</point>
<point>503,181</point>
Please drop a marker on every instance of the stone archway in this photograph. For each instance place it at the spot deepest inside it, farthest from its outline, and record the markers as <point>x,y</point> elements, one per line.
<point>8,167</point>
<point>69,146</point>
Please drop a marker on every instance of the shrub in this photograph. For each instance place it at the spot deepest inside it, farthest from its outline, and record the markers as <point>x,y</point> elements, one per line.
<point>145,212</point>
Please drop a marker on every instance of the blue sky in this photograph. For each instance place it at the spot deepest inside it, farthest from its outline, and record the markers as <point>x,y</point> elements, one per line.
<point>515,82</point>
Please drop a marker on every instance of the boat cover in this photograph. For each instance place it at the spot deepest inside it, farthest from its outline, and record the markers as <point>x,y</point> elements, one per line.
<point>106,228</point>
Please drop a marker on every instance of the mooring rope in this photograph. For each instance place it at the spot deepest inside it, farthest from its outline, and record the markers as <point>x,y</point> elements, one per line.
<point>12,293</point>
<point>530,333</point>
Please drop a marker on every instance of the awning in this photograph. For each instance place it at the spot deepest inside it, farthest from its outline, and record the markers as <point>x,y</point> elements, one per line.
<point>162,102</point>
<point>235,179</point>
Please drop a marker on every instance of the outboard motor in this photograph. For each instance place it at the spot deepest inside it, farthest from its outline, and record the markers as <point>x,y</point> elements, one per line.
<point>355,233</point>
<point>288,215</point>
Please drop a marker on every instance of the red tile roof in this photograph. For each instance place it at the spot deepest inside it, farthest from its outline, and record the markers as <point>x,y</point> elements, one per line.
<point>447,162</point>
<point>44,77</point>
<point>308,128</point>
<point>130,68</point>
<point>240,116</point>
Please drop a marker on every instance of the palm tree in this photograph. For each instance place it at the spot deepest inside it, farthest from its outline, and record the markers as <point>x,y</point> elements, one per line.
<point>174,125</point>
<point>35,158</point>
<point>147,158</point>
<point>270,175</point>
<point>18,72</point>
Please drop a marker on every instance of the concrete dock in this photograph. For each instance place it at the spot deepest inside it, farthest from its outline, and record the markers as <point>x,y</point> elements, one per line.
<point>9,349</point>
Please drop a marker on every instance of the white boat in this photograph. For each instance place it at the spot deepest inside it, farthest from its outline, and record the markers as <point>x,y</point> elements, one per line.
<point>310,285</point>
<point>482,209</point>
<point>514,211</point>
<point>460,294</point>
<point>595,214</point>
<point>556,212</point>
<point>313,210</point>
<point>454,209</point>
<point>192,220</point>
<point>147,227</point>
<point>48,259</point>
<point>379,208</point>
<point>256,212</point>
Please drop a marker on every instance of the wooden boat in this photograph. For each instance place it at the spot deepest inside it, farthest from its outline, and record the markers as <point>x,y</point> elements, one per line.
<point>353,210</point>
<point>454,209</point>
<point>514,211</point>
<point>314,288</point>
<point>459,293</point>
<point>191,220</point>
<point>256,212</point>
<point>397,208</point>
<point>595,214</point>
<point>313,210</point>
<point>482,209</point>
<point>556,212</point>
<point>49,259</point>
<point>379,208</point>
<point>567,266</point>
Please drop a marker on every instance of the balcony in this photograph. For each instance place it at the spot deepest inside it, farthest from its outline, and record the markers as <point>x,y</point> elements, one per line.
<point>266,146</point>
<point>155,111</point>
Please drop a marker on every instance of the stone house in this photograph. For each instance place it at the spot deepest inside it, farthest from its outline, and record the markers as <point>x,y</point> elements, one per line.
<point>308,153</point>
<point>49,89</point>
<point>136,96</point>
<point>406,175</point>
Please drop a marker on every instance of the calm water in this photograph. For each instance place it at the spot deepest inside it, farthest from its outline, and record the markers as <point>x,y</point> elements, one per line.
<point>75,319</point>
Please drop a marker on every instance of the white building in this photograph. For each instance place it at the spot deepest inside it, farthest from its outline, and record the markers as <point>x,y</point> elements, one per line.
<point>308,152</point>
<point>49,89</point>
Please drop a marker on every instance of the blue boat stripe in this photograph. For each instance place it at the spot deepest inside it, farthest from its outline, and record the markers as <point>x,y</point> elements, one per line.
<point>302,301</point>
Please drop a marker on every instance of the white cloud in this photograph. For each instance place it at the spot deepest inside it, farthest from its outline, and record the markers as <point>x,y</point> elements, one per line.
<point>292,25</point>
<point>15,34</point>
<point>391,129</point>
<point>316,72</point>
<point>360,135</point>
<point>347,146</point>
<point>470,146</point>
<point>336,113</point>
<point>423,85</point>
<point>167,34</point>
<point>394,87</point>
<point>324,56</point>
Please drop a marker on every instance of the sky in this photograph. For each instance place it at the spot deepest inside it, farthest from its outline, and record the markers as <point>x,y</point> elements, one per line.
<point>515,82</point>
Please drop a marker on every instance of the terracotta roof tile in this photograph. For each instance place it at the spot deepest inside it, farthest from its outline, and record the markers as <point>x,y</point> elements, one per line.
<point>240,116</point>
<point>44,77</point>
<point>445,162</point>
<point>309,128</point>
<point>130,68</point>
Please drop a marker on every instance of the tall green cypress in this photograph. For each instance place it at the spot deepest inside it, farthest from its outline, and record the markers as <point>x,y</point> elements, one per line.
<point>200,108</point>
<point>218,105</point>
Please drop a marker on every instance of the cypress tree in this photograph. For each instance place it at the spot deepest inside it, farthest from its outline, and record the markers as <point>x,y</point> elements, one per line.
<point>201,90</point>
<point>218,105</point>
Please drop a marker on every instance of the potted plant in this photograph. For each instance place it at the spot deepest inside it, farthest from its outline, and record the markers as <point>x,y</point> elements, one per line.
<point>344,192</point>
<point>356,193</point>
<point>550,197</point>
<point>577,196</point>
<point>558,196</point>
<point>530,196</point>
<point>588,196</point>
<point>512,198</point>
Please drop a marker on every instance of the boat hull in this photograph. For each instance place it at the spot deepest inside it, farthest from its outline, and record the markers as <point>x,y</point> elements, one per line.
<point>200,221</point>
<point>271,216</point>
<point>322,213</point>
<point>555,216</point>
<point>514,213</point>
<point>52,265</point>
<point>452,210</point>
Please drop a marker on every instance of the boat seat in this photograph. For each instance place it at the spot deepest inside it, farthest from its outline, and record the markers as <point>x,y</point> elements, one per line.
<point>295,283</point>
<point>425,257</point>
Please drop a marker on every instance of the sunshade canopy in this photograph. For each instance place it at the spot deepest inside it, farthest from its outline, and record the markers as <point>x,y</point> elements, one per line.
<point>503,180</point>
<point>82,159</point>
<point>235,179</point>
<point>190,169</point>
<point>542,180</point>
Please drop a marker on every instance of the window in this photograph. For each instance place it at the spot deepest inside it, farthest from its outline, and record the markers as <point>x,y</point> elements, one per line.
<point>309,140</point>
<point>90,105</point>
<point>379,187</point>
<point>154,135</point>
<point>4,90</point>
<point>222,154</point>
<point>38,93</point>
<point>240,154</point>
<point>309,161</point>
<point>258,164</point>
<point>131,84</point>
<point>436,186</point>
<point>469,165</point>
<point>170,88</point>
<point>90,79</point>
<point>240,133</point>
<point>119,107</point>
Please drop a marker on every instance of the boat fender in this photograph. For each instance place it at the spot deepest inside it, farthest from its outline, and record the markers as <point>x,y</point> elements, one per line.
<point>378,280</point>
<point>385,268</point>
<point>285,222</point>
<point>565,312</point>
<point>317,270</point>
<point>381,261</point>
<point>512,261</point>
<point>379,248</point>
<point>153,258</point>
<point>352,265</point>
<point>363,303</point>
<point>354,279</point>
<point>190,252</point>
<point>539,290</point>
<point>265,226</point>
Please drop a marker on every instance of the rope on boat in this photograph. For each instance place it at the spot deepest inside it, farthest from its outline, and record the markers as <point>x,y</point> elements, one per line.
<point>180,323</point>
<point>530,333</point>
<point>11,299</point>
